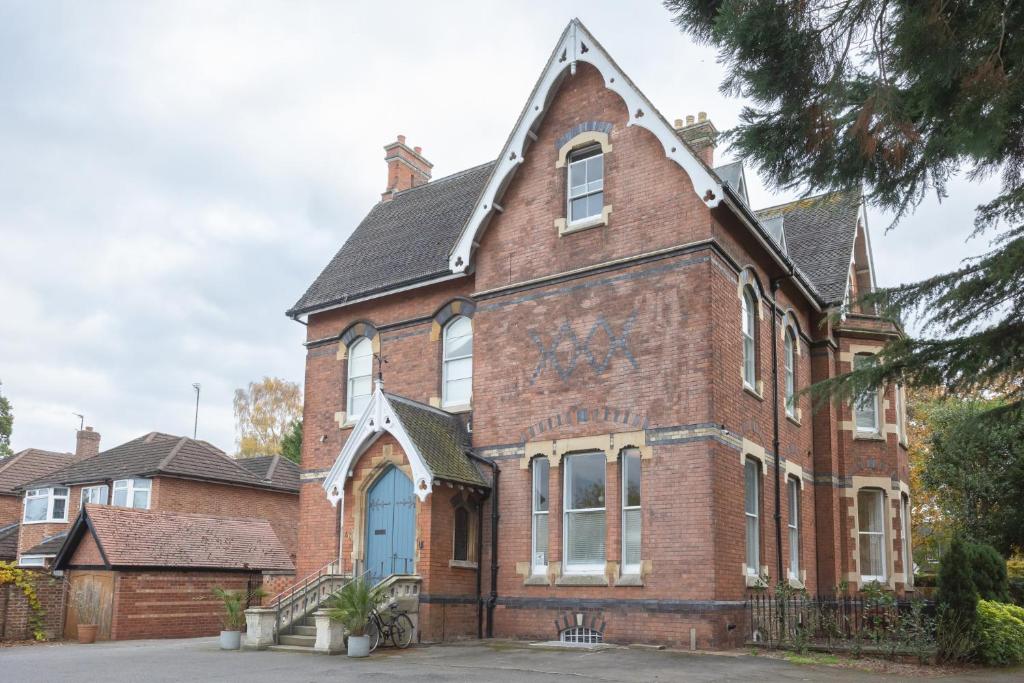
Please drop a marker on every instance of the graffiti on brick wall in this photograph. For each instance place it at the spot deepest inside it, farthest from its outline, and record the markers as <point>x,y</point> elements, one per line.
<point>565,351</point>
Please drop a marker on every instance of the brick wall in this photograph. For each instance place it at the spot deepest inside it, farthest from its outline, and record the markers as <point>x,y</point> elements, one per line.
<point>10,510</point>
<point>15,611</point>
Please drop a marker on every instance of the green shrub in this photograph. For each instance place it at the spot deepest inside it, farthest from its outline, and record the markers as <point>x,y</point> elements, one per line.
<point>988,570</point>
<point>925,580</point>
<point>999,634</point>
<point>956,592</point>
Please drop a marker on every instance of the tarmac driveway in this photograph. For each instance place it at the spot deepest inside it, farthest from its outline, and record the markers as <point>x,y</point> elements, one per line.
<point>492,662</point>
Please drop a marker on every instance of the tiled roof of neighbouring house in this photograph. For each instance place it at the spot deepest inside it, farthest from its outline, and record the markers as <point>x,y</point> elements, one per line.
<point>27,465</point>
<point>400,242</point>
<point>440,438</point>
<point>50,545</point>
<point>151,538</point>
<point>154,454</point>
<point>820,232</point>
<point>273,468</point>
<point>9,542</point>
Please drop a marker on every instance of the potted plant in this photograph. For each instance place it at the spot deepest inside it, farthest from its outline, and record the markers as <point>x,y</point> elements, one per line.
<point>87,608</point>
<point>352,606</point>
<point>235,602</point>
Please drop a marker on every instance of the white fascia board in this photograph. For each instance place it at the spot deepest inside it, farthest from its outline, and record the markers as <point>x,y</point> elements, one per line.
<point>379,417</point>
<point>577,45</point>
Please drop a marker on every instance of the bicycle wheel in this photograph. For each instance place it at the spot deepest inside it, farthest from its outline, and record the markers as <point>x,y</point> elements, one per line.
<point>402,631</point>
<point>373,631</point>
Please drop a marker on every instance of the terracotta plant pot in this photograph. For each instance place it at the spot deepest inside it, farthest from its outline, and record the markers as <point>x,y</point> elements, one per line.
<point>87,633</point>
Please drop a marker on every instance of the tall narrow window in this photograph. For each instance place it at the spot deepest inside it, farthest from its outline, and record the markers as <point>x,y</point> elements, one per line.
<point>540,515</point>
<point>458,363</point>
<point>871,528</point>
<point>584,513</point>
<point>95,494</point>
<point>631,516</point>
<point>789,363</point>
<point>586,184</point>
<point>793,487</point>
<point>460,552</point>
<point>752,503</point>
<point>749,348</point>
<point>901,413</point>
<point>908,555</point>
<point>866,405</point>
<point>132,493</point>
<point>360,370</point>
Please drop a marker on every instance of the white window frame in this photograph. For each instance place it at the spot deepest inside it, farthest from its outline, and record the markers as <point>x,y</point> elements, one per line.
<point>908,555</point>
<point>447,359</point>
<point>538,471</point>
<point>581,635</point>
<point>358,345</point>
<point>102,499</point>
<point>131,486</point>
<point>748,329</point>
<point>51,495</point>
<point>752,542</point>
<point>789,365</point>
<point>862,400</point>
<point>901,413</point>
<point>631,569</point>
<point>577,157</point>
<point>861,534</point>
<point>591,568</point>
<point>33,560</point>
<point>793,524</point>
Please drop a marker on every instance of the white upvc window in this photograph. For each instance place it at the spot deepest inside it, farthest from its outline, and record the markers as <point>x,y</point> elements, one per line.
<point>789,364</point>
<point>32,561</point>
<point>865,405</point>
<point>132,493</point>
<point>95,494</point>
<point>631,516</point>
<point>541,469</point>
<point>749,322</point>
<point>360,371</point>
<point>793,488</point>
<point>901,413</point>
<point>46,505</point>
<point>586,185</point>
<point>908,555</point>
<point>457,380</point>
<point>871,530</point>
<point>752,508</point>
<point>584,527</point>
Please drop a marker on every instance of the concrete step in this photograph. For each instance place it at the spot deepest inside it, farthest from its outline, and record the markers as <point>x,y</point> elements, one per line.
<point>294,649</point>
<point>304,630</point>
<point>298,640</point>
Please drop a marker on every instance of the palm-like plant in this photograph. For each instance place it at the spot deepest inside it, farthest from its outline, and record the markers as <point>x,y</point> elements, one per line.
<point>353,604</point>
<point>235,602</point>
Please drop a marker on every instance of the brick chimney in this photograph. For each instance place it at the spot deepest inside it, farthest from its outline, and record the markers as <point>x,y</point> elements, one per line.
<point>87,444</point>
<point>700,135</point>
<point>406,167</point>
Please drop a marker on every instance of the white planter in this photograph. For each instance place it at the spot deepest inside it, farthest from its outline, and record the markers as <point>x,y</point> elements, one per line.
<point>230,640</point>
<point>359,646</point>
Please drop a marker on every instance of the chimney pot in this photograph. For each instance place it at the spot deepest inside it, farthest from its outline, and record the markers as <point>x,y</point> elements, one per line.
<point>679,123</point>
<point>702,116</point>
<point>689,119</point>
<point>418,150</point>
<point>401,139</point>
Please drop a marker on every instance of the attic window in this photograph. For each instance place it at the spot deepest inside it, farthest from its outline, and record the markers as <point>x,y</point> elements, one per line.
<point>586,185</point>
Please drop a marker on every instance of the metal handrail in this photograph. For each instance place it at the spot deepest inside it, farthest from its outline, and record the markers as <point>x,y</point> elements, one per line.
<point>301,589</point>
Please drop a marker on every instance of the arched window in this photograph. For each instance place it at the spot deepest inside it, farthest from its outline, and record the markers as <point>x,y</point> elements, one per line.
<point>586,184</point>
<point>789,363</point>
<point>581,635</point>
<point>360,370</point>
<point>749,346</point>
<point>457,381</point>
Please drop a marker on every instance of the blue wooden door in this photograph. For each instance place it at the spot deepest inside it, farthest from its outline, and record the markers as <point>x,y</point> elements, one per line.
<point>390,526</point>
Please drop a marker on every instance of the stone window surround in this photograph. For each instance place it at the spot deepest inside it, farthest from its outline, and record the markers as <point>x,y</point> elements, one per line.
<point>790,325</point>
<point>451,310</point>
<point>583,139</point>
<point>747,280</point>
<point>611,445</point>
<point>885,484</point>
<point>353,333</point>
<point>461,500</point>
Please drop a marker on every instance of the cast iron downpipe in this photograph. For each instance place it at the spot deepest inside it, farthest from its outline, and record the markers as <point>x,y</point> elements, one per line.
<point>493,598</point>
<point>775,428</point>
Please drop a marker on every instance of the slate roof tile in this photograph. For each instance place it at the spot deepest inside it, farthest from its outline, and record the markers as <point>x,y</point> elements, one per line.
<point>440,438</point>
<point>274,468</point>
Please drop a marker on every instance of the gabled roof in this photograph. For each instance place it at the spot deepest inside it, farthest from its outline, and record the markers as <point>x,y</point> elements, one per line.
<point>273,468</point>
<point>27,465</point>
<point>820,233</point>
<point>400,242</point>
<point>734,176</point>
<point>176,540</point>
<point>153,454</point>
<point>50,545</point>
<point>9,542</point>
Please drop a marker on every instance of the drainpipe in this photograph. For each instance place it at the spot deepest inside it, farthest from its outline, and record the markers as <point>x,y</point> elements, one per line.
<point>775,427</point>
<point>479,563</point>
<point>493,598</point>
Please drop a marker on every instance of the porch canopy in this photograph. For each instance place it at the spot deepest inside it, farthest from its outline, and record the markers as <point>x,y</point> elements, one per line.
<point>434,441</point>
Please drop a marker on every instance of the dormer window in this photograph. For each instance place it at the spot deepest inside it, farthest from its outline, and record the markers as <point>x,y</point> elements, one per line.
<point>586,185</point>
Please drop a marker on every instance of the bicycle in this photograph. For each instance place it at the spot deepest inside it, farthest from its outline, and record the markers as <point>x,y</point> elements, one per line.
<point>397,626</point>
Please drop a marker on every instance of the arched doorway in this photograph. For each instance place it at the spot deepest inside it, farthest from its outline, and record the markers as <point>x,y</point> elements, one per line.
<point>390,526</point>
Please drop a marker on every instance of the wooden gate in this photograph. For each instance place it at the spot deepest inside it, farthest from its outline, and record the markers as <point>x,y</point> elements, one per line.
<point>101,583</point>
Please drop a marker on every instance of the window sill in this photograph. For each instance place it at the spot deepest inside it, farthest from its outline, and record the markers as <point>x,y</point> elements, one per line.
<point>752,391</point>
<point>566,228</point>
<point>754,581</point>
<point>46,521</point>
<point>462,564</point>
<point>582,580</point>
<point>865,580</point>
<point>796,583</point>
<point>456,409</point>
<point>630,580</point>
<point>868,436</point>
<point>794,419</point>
<point>537,580</point>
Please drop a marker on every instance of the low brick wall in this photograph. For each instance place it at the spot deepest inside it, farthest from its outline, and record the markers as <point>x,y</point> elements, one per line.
<point>15,612</point>
<point>275,583</point>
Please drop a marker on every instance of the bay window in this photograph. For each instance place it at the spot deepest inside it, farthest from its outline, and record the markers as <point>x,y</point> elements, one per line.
<point>540,515</point>
<point>584,513</point>
<point>871,534</point>
<point>46,505</point>
<point>631,517</point>
<point>132,493</point>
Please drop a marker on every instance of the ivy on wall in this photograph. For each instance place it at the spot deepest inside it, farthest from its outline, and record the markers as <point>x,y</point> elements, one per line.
<point>23,579</point>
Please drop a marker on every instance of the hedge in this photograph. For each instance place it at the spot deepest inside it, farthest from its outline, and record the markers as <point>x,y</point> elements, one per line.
<point>1000,633</point>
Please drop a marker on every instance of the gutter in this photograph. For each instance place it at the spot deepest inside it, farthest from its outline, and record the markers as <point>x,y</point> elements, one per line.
<point>294,314</point>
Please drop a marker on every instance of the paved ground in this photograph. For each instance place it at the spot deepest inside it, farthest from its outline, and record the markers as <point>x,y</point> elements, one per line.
<point>200,660</point>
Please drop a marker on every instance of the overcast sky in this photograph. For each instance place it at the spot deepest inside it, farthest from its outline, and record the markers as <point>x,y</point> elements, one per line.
<point>175,174</point>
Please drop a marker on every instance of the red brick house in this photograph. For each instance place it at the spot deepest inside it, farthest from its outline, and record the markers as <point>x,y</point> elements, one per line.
<point>590,425</point>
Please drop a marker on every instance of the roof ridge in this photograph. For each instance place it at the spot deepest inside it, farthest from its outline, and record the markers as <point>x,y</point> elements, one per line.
<point>273,466</point>
<point>820,195</point>
<point>170,456</point>
<point>6,462</point>
<point>450,176</point>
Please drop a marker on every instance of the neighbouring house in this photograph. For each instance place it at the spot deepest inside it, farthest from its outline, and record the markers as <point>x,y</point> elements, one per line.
<point>590,423</point>
<point>9,542</point>
<point>32,463</point>
<point>154,571</point>
<point>158,472</point>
